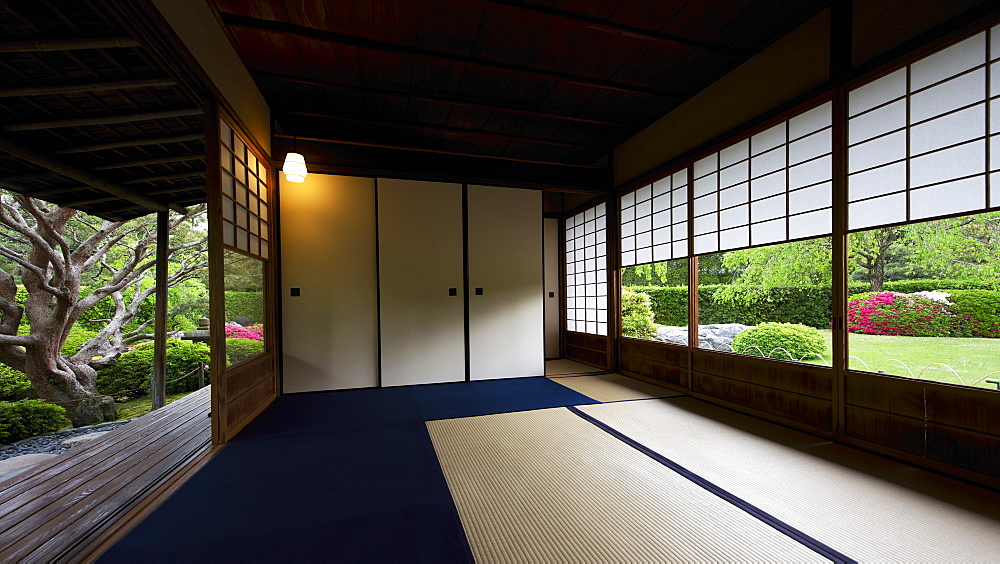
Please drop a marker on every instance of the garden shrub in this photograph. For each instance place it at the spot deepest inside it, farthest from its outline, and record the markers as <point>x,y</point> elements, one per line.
<point>253,332</point>
<point>890,313</point>
<point>14,385</point>
<point>772,340</point>
<point>637,315</point>
<point>130,375</point>
<point>978,312</point>
<point>27,418</point>
<point>809,305</point>
<point>245,304</point>
<point>238,350</point>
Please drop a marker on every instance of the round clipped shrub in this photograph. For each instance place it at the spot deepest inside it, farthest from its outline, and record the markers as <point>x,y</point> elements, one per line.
<point>637,315</point>
<point>14,385</point>
<point>785,341</point>
<point>27,418</point>
<point>238,350</point>
<point>130,375</point>
<point>891,313</point>
<point>978,312</point>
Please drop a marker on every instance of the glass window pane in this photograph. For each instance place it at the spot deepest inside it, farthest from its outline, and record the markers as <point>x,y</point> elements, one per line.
<point>245,312</point>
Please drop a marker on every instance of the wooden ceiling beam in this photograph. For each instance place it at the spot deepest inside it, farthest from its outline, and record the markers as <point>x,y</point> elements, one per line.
<point>622,29</point>
<point>28,176</point>
<point>147,162</point>
<point>103,120</point>
<point>448,129</point>
<point>175,176</point>
<point>84,177</point>
<point>133,143</point>
<point>40,46</point>
<point>86,87</point>
<point>413,51</point>
<point>427,97</point>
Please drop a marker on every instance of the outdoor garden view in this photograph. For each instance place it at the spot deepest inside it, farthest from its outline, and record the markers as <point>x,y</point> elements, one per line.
<point>77,297</point>
<point>924,301</point>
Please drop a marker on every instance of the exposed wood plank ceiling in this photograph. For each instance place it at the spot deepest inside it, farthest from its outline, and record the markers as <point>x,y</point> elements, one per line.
<point>536,82</point>
<point>89,117</point>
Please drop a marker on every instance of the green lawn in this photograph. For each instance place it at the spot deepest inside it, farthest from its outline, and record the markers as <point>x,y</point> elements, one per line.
<point>922,357</point>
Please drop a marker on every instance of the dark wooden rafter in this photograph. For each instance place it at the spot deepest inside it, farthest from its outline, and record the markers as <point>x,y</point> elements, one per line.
<point>41,46</point>
<point>148,162</point>
<point>469,61</point>
<point>55,89</point>
<point>103,120</point>
<point>435,128</point>
<point>623,29</point>
<point>85,177</point>
<point>133,143</point>
<point>437,98</point>
<point>174,176</point>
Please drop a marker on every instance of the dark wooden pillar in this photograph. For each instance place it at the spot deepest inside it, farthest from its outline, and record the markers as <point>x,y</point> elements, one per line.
<point>159,393</point>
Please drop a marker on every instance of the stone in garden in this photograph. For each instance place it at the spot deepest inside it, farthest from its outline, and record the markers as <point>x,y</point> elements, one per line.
<point>717,337</point>
<point>80,439</point>
<point>18,464</point>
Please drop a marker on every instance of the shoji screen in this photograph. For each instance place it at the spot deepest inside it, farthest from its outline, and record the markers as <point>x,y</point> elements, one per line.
<point>586,272</point>
<point>923,139</point>
<point>654,221</point>
<point>772,187</point>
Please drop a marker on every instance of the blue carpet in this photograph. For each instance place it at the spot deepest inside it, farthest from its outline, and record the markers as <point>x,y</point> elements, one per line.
<point>347,476</point>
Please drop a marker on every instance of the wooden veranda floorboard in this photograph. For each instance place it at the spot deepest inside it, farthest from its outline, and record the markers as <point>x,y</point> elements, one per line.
<point>65,502</point>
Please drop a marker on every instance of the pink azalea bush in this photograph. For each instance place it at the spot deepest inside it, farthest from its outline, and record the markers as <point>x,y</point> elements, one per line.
<point>891,313</point>
<point>255,332</point>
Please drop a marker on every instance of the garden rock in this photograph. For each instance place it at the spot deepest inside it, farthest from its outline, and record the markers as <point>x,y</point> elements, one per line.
<point>80,439</point>
<point>93,410</point>
<point>18,464</point>
<point>711,337</point>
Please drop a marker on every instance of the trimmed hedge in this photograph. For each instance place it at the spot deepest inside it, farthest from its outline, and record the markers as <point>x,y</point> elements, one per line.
<point>132,372</point>
<point>785,341</point>
<point>238,350</point>
<point>27,418</point>
<point>637,315</point>
<point>245,304</point>
<point>978,312</point>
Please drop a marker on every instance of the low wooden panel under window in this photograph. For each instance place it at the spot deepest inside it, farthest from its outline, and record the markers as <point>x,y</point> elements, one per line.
<point>661,362</point>
<point>588,349</point>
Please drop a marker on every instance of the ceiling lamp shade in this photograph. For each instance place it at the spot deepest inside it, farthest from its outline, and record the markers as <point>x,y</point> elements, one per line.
<point>295,167</point>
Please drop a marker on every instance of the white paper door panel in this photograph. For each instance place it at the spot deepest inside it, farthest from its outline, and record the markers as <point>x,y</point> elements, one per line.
<point>330,330</point>
<point>551,250</point>
<point>506,322</point>
<point>420,259</point>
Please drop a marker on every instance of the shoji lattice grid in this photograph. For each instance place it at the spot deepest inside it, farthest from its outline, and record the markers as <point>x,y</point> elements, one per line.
<point>586,272</point>
<point>244,195</point>
<point>775,186</point>
<point>654,221</point>
<point>923,140</point>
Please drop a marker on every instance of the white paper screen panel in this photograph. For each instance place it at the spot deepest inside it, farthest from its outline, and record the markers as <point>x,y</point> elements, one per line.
<point>924,140</point>
<point>586,271</point>
<point>244,195</point>
<point>775,186</point>
<point>654,221</point>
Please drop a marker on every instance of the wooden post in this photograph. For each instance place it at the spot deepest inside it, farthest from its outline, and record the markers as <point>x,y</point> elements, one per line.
<point>159,393</point>
<point>201,375</point>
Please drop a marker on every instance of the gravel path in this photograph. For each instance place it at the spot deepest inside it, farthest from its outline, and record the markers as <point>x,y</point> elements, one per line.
<point>52,443</point>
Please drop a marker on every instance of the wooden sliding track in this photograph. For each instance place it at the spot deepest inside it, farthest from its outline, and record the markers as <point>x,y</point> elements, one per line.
<point>61,509</point>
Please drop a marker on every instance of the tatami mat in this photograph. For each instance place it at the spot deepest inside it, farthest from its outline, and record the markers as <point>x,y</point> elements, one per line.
<point>614,387</point>
<point>548,486</point>
<point>864,506</point>
<point>563,367</point>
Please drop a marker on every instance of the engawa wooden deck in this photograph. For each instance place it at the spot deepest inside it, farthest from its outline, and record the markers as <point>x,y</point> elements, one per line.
<point>58,509</point>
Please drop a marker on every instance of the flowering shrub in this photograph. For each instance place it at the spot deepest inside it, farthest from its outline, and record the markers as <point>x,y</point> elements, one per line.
<point>255,332</point>
<point>890,313</point>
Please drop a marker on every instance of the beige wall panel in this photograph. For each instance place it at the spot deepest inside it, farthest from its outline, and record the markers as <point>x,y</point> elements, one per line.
<point>196,25</point>
<point>330,332</point>
<point>552,317</point>
<point>791,66</point>
<point>506,323</point>
<point>880,26</point>
<point>420,258</point>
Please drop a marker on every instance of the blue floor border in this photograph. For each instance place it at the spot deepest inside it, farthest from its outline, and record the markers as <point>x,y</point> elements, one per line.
<point>765,517</point>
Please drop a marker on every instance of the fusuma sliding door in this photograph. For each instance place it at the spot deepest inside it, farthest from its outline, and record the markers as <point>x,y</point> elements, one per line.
<point>421,281</point>
<point>506,318</point>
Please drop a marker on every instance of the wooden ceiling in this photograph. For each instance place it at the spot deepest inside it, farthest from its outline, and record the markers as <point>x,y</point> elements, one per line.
<point>90,118</point>
<point>542,83</point>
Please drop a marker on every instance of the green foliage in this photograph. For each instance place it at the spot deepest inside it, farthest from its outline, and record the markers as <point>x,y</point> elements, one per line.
<point>786,341</point>
<point>78,336</point>
<point>97,317</point>
<point>978,312</point>
<point>245,304</point>
<point>14,385</point>
<point>923,285</point>
<point>132,372</point>
<point>637,315</point>
<point>669,303</point>
<point>27,418</point>
<point>238,350</point>
<point>808,305</point>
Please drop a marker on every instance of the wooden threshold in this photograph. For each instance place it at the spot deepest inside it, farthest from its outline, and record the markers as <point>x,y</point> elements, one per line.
<point>72,506</point>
